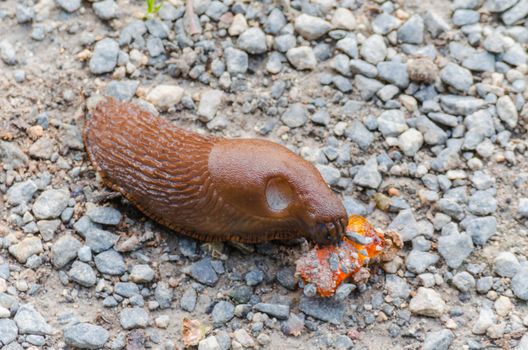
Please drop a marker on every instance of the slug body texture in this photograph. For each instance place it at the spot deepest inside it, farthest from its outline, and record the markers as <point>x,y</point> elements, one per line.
<point>210,188</point>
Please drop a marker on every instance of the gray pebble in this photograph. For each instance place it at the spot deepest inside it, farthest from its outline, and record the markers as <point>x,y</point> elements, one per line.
<point>412,31</point>
<point>105,10</point>
<point>374,49</point>
<point>458,77</point>
<point>295,116</point>
<point>110,262</point>
<point>463,281</point>
<point>253,41</point>
<point>368,175</point>
<point>50,204</point>
<point>69,5</point>
<point>236,60</point>
<point>104,57</point>
<point>438,340</point>
<point>131,318</point>
<point>455,249</point>
<point>222,313</point>
<point>85,336</point>
<point>188,300</point>
<point>83,274</point>
<point>203,272</point>
<point>64,250</point>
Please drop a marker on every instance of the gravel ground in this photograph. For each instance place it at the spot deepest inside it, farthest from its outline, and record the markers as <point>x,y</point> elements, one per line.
<point>414,111</point>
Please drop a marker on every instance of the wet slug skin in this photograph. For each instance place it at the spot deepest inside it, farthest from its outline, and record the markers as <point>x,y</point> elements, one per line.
<point>210,188</point>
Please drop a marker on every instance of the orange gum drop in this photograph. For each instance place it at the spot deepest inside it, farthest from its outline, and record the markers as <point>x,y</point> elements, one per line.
<point>327,267</point>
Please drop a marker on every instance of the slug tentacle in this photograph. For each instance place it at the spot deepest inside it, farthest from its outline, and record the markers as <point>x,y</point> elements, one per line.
<point>210,188</point>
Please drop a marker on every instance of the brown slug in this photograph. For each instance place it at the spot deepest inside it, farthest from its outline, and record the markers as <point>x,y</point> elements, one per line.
<point>210,188</point>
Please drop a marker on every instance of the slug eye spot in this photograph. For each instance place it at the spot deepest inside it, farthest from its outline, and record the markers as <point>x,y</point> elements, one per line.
<point>279,194</point>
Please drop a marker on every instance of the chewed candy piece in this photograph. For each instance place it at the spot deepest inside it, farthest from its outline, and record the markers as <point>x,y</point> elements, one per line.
<point>327,267</point>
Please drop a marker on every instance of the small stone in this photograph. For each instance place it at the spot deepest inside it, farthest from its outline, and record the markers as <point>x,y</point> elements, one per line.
<point>455,248</point>
<point>131,318</point>
<point>515,55</point>
<point>275,21</point>
<point>8,53</point>
<point>367,87</point>
<point>142,274</point>
<point>85,254</point>
<point>47,228</point>
<point>368,175</point>
<point>410,142</point>
<point>110,262</point>
<point>253,41</point>
<point>324,309</point>
<point>427,302</point>
<point>412,31</point>
<point>86,336</point>
<point>188,300</point>
<point>104,215</point>
<point>278,311</point>
<point>209,103</point>
<point>484,284</point>
<point>384,24</point>
<point>359,134</point>
<point>123,90</point>
<point>405,224</point>
<point>222,313</point>
<point>209,343</point>
<point>8,331</point>
<point>42,148</point>
<point>417,262</point>
<point>100,240</point>
<point>394,73</point>
<point>163,295</point>
<point>520,284</point>
<point>482,203</point>
<point>507,111</point>
<point>165,96</point>
<point>435,24</point>
<point>105,10</point>
<point>310,27</point>
<point>515,13</point>
<point>458,77</point>
<point>499,5</point>
<point>21,192</point>
<point>104,57</point>
<point>83,274</point>
<point>506,264</point>
<point>30,321</point>
<point>254,277</point>
<point>374,49</point>
<point>485,320</point>
<point>51,203</point>
<point>244,339</point>
<point>503,306</point>
<point>69,5</point>
<point>523,207</point>
<point>460,105</point>
<point>238,26</point>
<point>349,46</point>
<point>344,19</point>
<point>392,123</point>
<point>302,58</point>
<point>295,116</point>
<point>463,281</point>
<point>463,17</point>
<point>26,248</point>
<point>439,340</point>
<point>236,60</point>
<point>64,251</point>
<point>397,287</point>
<point>203,272</point>
<point>480,228</point>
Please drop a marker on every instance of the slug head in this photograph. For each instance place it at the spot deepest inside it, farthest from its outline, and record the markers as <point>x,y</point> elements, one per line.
<point>276,191</point>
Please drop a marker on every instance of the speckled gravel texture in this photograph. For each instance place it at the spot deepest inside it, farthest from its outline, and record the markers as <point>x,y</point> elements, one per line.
<point>413,111</point>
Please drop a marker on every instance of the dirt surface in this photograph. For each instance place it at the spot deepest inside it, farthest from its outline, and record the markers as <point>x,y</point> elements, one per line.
<point>59,84</point>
